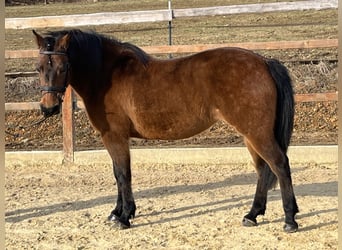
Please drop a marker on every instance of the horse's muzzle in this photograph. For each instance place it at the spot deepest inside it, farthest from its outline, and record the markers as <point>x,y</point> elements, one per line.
<point>50,111</point>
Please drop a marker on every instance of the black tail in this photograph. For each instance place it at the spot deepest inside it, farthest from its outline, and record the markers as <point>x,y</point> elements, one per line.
<point>285,103</point>
<point>284,113</point>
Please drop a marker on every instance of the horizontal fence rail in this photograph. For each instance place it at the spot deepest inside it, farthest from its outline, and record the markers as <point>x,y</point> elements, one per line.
<point>16,106</point>
<point>178,49</point>
<point>88,19</point>
<point>161,15</point>
<point>256,8</point>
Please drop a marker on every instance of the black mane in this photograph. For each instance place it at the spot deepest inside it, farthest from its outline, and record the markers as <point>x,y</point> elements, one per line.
<point>89,47</point>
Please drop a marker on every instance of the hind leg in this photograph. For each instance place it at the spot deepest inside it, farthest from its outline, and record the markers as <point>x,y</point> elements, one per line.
<point>266,180</point>
<point>271,153</point>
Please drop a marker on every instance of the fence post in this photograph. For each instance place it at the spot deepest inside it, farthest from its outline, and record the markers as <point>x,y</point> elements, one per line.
<point>68,126</point>
<point>170,25</point>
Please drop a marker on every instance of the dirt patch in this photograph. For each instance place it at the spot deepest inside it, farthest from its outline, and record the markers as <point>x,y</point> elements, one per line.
<point>49,206</point>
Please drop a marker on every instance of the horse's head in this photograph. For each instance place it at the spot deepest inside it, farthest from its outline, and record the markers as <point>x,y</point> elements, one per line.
<point>53,67</point>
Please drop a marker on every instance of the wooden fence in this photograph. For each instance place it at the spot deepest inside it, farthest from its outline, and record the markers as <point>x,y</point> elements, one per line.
<point>163,15</point>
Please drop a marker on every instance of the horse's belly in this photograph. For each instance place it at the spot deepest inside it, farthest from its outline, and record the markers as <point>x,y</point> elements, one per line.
<point>166,128</point>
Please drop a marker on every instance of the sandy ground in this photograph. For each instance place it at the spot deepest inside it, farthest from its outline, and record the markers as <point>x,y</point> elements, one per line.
<point>179,206</point>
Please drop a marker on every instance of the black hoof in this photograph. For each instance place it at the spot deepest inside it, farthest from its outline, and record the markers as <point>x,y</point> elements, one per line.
<point>249,222</point>
<point>291,228</point>
<point>119,222</point>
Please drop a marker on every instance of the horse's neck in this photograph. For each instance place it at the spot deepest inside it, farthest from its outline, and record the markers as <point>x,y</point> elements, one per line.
<point>94,83</point>
<point>84,86</point>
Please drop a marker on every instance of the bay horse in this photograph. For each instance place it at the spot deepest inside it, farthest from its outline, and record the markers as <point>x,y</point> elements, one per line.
<point>128,93</point>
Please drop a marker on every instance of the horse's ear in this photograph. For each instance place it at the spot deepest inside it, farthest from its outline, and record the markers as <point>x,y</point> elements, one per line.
<point>39,39</point>
<point>63,42</point>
